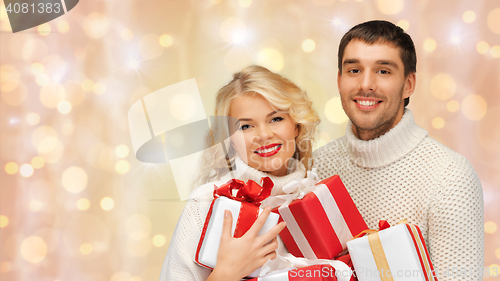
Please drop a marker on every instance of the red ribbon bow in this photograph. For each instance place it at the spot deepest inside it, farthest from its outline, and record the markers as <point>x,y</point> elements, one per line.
<point>250,192</point>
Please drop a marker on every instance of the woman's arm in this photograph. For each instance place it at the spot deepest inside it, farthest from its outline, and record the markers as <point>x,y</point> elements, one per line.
<point>238,257</point>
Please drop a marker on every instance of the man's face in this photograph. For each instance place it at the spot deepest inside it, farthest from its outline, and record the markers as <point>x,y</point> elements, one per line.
<point>372,86</point>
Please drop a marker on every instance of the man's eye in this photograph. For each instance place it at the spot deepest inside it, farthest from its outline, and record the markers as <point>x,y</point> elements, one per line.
<point>276,119</point>
<point>383,72</point>
<point>354,71</point>
<point>244,127</point>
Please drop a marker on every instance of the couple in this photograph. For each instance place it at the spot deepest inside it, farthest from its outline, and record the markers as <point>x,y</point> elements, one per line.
<point>389,165</point>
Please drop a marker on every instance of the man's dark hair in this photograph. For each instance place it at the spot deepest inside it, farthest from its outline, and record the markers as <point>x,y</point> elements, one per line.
<point>378,31</point>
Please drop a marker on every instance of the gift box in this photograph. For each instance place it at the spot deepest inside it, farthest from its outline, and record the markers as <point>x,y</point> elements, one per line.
<point>395,253</point>
<point>320,272</point>
<point>320,224</point>
<point>244,207</point>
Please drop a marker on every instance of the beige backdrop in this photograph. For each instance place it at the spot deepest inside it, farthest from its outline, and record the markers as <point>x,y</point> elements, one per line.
<point>75,202</point>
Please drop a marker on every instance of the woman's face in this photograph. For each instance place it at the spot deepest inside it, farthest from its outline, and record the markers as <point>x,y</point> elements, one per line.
<point>266,137</point>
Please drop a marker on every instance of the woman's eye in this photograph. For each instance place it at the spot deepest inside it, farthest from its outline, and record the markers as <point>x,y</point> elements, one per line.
<point>276,119</point>
<point>244,127</point>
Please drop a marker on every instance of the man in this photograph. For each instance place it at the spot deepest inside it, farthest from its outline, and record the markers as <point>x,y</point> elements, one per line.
<point>392,169</point>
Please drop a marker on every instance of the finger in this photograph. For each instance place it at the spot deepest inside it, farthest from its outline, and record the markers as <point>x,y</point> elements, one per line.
<point>257,225</point>
<point>227,224</point>
<point>272,233</point>
<point>271,246</point>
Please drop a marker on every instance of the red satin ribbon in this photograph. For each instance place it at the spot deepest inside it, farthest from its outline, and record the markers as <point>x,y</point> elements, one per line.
<point>250,192</point>
<point>250,195</point>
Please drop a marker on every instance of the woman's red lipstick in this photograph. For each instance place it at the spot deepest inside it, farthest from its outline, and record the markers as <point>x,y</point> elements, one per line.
<point>268,150</point>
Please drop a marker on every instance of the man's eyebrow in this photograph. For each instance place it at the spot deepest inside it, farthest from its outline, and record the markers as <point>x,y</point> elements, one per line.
<point>349,61</point>
<point>387,62</point>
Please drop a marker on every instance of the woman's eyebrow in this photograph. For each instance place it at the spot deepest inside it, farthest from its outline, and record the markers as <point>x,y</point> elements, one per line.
<point>268,115</point>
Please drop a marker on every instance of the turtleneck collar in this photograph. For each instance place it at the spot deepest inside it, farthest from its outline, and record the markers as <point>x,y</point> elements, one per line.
<point>245,173</point>
<point>389,147</point>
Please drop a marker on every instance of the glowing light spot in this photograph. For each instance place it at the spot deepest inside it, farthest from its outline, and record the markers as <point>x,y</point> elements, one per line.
<point>86,249</point>
<point>51,95</point>
<point>5,267</point>
<point>138,227</point>
<point>37,68</point>
<point>469,16</point>
<point>245,3</point>
<point>122,167</point>
<point>4,221</point>
<point>26,170</point>
<point>271,59</point>
<point>95,25</point>
<point>9,78</point>
<point>99,88</point>
<point>453,106</point>
<point>166,40</point>
<point>233,31</point>
<point>107,203</point>
<point>494,20</point>
<point>87,85</point>
<point>438,122</point>
<point>44,29</point>
<point>429,45</point>
<point>482,47</point>
<point>455,39</point>
<point>334,111</point>
<point>337,22</point>
<point>63,26</point>
<point>42,79</point>
<point>33,118</point>
<point>83,204</point>
<point>443,86</point>
<point>64,107</point>
<point>135,278</point>
<point>11,168</point>
<point>497,253</point>
<point>490,227</point>
<point>127,34</point>
<point>36,205</point>
<point>474,107</point>
<point>492,271</point>
<point>122,151</point>
<point>404,24</point>
<point>308,45</point>
<point>74,179</point>
<point>495,51</point>
<point>159,240</point>
<point>133,64</point>
<point>33,249</point>
<point>390,7</point>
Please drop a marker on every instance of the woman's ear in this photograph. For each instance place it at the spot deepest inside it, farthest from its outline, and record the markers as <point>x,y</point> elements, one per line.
<point>297,130</point>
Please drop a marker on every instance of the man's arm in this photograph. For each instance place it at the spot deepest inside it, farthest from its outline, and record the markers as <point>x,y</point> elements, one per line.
<point>456,227</point>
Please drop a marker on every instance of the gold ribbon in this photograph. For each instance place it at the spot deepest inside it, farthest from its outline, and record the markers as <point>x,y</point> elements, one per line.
<point>379,256</point>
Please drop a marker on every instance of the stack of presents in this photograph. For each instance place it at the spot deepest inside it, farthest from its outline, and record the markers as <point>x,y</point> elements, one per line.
<point>323,227</point>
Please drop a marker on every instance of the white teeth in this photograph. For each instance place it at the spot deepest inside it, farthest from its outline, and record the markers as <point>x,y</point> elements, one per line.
<point>366,103</point>
<point>268,149</point>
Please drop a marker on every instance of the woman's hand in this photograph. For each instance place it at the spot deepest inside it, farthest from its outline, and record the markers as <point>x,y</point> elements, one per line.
<point>238,257</point>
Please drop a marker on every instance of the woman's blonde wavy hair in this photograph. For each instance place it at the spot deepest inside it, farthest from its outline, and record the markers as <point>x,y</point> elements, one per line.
<point>281,94</point>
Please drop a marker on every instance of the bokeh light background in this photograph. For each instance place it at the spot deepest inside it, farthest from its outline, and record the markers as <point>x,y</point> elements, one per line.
<point>77,205</point>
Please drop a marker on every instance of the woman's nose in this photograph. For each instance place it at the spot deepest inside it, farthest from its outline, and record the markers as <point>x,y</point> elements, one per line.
<point>264,133</point>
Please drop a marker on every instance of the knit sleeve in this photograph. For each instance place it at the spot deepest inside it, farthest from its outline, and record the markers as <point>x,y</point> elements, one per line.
<point>179,264</point>
<point>456,229</point>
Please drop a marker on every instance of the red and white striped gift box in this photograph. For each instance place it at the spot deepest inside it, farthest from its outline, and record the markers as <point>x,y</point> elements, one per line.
<point>394,254</point>
<point>320,224</point>
<point>319,272</point>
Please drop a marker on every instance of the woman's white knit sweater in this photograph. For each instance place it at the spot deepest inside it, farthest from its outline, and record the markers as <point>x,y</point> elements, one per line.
<point>405,174</point>
<point>179,264</point>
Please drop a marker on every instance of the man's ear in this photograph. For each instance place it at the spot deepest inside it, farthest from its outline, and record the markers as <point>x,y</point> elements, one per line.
<point>410,83</point>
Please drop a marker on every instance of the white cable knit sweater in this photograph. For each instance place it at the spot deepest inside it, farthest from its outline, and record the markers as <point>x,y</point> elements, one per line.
<point>405,174</point>
<point>179,264</point>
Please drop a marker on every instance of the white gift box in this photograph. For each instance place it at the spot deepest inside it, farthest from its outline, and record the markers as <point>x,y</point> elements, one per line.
<point>208,247</point>
<point>397,253</point>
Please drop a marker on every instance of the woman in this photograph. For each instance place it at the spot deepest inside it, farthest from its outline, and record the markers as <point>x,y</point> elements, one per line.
<point>276,126</point>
